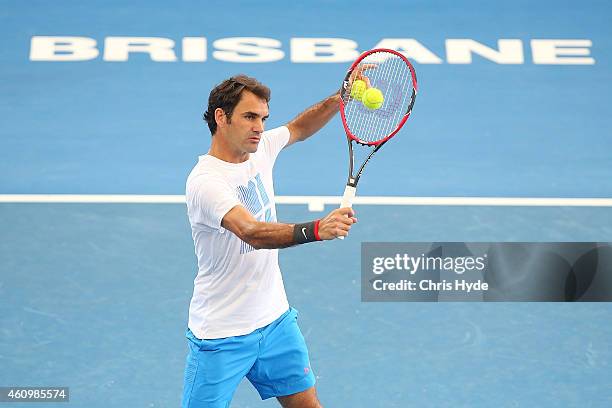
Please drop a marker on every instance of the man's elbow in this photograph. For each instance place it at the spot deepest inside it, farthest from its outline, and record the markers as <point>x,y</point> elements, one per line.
<point>296,132</point>
<point>249,233</point>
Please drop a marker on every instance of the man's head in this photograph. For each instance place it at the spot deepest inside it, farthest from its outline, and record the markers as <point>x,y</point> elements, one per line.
<point>228,94</point>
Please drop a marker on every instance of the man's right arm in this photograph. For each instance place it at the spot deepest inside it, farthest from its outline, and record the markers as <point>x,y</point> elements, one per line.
<point>272,235</point>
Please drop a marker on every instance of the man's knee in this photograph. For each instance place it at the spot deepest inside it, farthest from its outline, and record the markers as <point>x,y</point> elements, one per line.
<point>304,399</point>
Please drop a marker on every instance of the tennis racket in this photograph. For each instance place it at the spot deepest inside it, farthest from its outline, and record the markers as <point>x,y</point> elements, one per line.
<point>392,74</point>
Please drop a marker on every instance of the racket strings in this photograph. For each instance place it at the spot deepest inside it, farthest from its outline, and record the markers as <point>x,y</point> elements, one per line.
<point>380,123</point>
<point>393,77</point>
<point>375,123</point>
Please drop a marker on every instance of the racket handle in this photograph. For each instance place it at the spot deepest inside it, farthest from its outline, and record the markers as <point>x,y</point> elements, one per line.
<point>347,198</point>
<point>349,195</point>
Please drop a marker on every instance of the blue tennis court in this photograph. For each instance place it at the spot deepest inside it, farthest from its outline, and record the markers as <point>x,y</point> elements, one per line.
<point>95,296</point>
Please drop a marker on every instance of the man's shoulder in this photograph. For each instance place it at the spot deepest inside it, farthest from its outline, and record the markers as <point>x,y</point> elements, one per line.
<point>276,131</point>
<point>272,142</point>
<point>281,132</point>
<point>204,172</point>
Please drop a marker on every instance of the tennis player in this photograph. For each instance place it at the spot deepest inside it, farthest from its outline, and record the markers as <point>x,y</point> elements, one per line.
<point>240,323</point>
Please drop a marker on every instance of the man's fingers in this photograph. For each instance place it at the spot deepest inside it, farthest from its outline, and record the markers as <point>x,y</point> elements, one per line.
<point>358,73</point>
<point>341,233</point>
<point>364,67</point>
<point>346,211</point>
<point>346,220</point>
<point>338,222</point>
<point>343,226</point>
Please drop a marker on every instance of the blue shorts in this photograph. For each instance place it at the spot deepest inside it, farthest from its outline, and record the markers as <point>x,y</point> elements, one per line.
<point>274,358</point>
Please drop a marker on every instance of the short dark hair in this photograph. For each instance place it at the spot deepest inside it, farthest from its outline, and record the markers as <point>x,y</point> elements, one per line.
<point>227,94</point>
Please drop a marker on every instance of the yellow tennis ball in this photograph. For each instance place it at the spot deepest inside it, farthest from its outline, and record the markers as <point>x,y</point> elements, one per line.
<point>372,98</point>
<point>358,89</point>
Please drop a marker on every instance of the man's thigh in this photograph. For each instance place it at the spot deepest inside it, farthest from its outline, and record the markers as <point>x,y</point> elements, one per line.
<point>214,368</point>
<point>283,365</point>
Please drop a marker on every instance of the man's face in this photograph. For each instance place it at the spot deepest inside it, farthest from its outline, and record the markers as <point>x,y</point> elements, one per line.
<point>247,122</point>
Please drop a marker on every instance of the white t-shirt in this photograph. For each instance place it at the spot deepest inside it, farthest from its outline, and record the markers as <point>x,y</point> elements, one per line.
<point>237,289</point>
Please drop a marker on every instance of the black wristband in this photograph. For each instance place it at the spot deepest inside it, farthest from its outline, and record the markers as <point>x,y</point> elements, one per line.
<point>307,232</point>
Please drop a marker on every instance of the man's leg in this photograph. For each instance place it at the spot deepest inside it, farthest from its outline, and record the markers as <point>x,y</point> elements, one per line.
<point>282,369</point>
<point>214,369</point>
<point>304,399</point>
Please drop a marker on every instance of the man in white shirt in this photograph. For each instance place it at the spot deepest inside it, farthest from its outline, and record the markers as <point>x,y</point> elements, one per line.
<point>240,323</point>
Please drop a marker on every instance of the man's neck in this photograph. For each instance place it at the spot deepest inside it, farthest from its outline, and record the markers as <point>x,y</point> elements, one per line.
<point>220,149</point>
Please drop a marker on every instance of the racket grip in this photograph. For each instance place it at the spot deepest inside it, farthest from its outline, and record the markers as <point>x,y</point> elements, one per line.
<point>349,195</point>
<point>347,198</point>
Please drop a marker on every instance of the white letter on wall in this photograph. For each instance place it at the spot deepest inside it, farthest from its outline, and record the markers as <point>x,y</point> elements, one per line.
<point>550,52</point>
<point>460,51</point>
<point>194,49</point>
<point>44,48</point>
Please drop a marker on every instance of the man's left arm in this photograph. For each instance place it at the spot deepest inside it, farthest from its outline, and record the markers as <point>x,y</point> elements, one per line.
<point>312,119</point>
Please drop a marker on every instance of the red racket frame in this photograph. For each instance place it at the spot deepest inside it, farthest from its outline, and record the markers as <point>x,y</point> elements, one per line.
<point>352,180</point>
<point>345,88</point>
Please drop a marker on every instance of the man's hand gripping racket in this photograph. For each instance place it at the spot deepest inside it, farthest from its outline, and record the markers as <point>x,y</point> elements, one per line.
<point>376,99</point>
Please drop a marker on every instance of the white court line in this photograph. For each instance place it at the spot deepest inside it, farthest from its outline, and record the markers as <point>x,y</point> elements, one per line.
<point>317,203</point>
